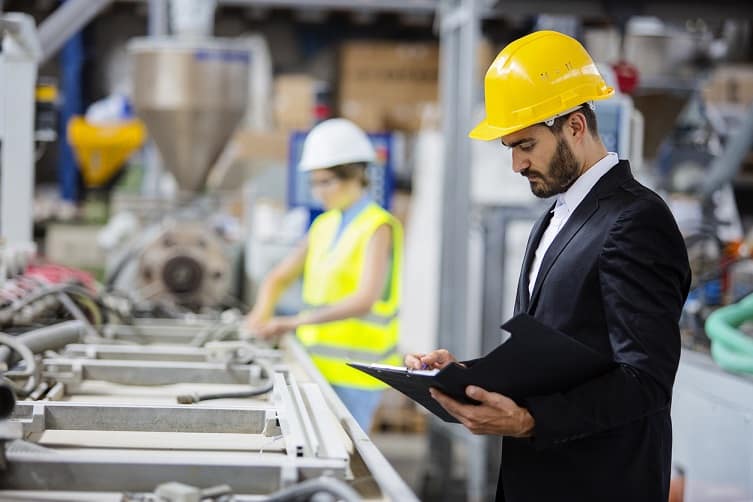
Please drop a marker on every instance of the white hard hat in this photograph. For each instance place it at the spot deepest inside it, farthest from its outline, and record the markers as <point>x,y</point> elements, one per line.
<point>335,142</point>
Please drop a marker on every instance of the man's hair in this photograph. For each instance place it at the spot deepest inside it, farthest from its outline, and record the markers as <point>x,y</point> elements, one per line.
<point>351,171</point>
<point>587,112</point>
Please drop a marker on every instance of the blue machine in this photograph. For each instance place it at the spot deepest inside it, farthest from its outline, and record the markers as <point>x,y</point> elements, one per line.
<point>381,173</point>
<point>613,117</point>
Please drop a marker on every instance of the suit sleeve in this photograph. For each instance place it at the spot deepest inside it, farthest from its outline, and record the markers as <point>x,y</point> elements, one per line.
<point>644,278</point>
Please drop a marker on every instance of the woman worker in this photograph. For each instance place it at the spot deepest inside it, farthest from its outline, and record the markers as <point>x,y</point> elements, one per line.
<point>351,266</point>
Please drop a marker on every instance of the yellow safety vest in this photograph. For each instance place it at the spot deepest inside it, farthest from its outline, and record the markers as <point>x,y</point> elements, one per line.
<point>331,274</point>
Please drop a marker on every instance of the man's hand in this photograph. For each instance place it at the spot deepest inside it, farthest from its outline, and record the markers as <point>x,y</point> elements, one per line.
<point>436,359</point>
<point>497,414</point>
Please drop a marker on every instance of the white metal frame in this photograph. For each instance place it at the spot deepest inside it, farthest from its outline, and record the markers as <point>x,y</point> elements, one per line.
<point>18,74</point>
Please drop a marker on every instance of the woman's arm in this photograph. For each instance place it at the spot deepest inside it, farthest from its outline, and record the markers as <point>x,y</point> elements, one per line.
<point>274,284</point>
<point>371,286</point>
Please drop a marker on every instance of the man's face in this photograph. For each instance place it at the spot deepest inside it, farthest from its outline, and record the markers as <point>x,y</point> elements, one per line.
<point>544,158</point>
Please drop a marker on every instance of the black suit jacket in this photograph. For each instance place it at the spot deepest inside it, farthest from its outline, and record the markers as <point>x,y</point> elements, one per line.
<point>615,278</point>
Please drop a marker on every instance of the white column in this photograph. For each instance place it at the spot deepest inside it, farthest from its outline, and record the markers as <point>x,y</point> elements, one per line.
<point>18,72</point>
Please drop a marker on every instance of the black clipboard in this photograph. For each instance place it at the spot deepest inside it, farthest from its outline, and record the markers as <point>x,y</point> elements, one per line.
<point>536,360</point>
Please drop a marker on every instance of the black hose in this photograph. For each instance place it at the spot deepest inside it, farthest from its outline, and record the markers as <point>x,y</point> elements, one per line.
<point>252,392</point>
<point>7,400</point>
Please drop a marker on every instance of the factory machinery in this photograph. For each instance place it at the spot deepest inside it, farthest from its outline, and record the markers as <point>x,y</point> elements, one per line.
<point>98,406</point>
<point>146,387</point>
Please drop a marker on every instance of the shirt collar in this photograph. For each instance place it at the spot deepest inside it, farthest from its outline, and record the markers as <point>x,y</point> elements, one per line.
<point>355,208</point>
<point>586,181</point>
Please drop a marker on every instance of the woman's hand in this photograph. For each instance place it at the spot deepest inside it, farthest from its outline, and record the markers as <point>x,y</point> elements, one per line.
<point>277,326</point>
<point>254,322</point>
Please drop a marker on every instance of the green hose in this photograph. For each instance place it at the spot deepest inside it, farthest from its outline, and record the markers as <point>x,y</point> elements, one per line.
<point>731,348</point>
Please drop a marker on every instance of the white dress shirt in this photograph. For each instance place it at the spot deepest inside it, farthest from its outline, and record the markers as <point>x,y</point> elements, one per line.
<point>565,206</point>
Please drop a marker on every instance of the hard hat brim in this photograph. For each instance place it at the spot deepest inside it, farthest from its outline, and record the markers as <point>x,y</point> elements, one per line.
<point>486,132</point>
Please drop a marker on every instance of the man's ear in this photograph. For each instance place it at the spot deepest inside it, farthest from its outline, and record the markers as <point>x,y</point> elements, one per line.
<point>576,126</point>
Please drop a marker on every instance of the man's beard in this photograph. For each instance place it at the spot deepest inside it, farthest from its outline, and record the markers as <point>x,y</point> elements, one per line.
<point>563,171</point>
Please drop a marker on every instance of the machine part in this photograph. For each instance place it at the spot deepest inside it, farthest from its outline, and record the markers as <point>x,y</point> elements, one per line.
<point>178,492</point>
<point>731,348</point>
<point>191,95</point>
<point>47,338</point>
<point>72,308</point>
<point>7,400</point>
<point>102,149</point>
<point>253,391</point>
<point>308,490</point>
<point>74,371</point>
<point>30,371</point>
<point>113,426</point>
<point>238,352</point>
<point>68,19</point>
<point>726,166</point>
<point>36,302</point>
<point>84,441</point>
<point>185,265</point>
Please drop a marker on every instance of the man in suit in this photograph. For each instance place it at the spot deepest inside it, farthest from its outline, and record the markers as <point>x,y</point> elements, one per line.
<point>605,265</point>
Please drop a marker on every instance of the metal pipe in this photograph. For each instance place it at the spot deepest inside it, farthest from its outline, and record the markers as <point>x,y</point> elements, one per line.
<point>157,20</point>
<point>7,400</point>
<point>726,166</point>
<point>312,487</point>
<point>251,392</point>
<point>67,19</point>
<point>48,338</point>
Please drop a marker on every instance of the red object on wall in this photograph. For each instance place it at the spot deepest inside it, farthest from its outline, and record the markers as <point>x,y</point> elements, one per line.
<point>627,76</point>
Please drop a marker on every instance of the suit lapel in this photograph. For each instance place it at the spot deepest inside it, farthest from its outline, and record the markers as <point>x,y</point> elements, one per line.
<point>582,214</point>
<point>585,210</point>
<point>522,299</point>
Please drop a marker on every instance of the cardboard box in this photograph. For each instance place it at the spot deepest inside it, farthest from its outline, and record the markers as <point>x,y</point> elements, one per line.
<point>248,152</point>
<point>295,101</point>
<point>395,86</point>
<point>383,85</point>
<point>74,246</point>
<point>730,84</point>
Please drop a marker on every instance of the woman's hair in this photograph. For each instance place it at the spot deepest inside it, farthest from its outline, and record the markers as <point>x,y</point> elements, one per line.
<point>351,171</point>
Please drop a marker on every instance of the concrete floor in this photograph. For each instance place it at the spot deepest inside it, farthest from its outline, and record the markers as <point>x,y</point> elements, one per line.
<point>406,452</point>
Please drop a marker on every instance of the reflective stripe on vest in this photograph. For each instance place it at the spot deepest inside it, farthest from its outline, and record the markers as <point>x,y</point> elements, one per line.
<point>371,317</point>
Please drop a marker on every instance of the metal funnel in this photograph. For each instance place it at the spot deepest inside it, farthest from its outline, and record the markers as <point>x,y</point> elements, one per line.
<point>191,95</point>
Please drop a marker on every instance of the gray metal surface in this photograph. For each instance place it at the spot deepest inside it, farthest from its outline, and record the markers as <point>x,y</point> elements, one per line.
<point>36,417</point>
<point>726,166</point>
<point>95,436</point>
<point>712,420</point>
<point>459,25</point>
<point>66,20</point>
<point>157,24</point>
<point>191,95</point>
<point>18,66</point>
<point>129,471</point>
<point>392,486</point>
<point>73,371</point>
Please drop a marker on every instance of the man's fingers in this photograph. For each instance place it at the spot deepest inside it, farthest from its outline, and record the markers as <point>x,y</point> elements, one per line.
<point>449,404</point>
<point>413,361</point>
<point>437,359</point>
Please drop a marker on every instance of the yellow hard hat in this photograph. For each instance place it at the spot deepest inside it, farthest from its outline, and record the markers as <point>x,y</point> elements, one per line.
<point>537,78</point>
